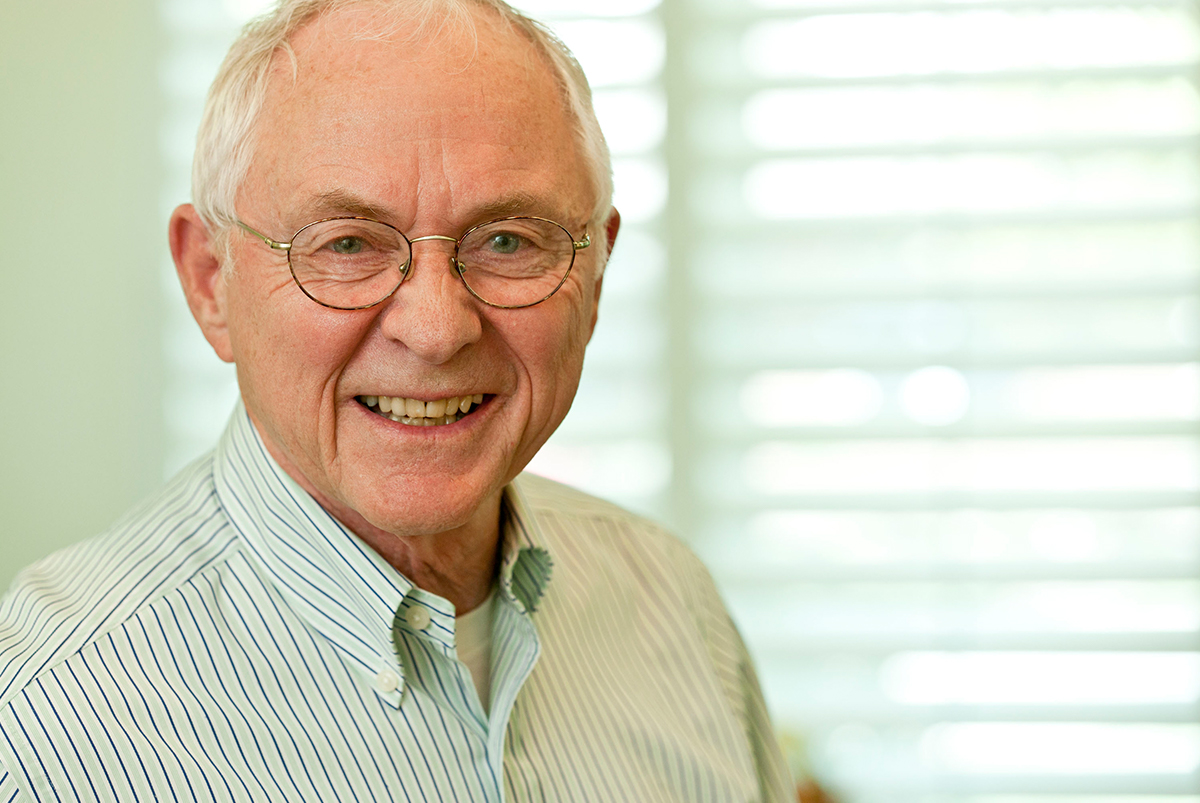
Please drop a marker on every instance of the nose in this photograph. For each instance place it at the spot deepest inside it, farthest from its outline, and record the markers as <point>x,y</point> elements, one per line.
<point>432,313</point>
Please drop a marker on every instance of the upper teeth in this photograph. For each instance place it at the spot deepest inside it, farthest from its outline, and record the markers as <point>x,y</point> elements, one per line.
<point>400,408</point>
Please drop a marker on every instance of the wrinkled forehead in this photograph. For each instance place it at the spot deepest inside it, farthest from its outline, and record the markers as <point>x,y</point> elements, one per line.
<point>363,59</point>
<point>357,88</point>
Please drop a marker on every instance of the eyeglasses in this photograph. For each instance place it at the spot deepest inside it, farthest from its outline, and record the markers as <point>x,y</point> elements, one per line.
<point>356,262</point>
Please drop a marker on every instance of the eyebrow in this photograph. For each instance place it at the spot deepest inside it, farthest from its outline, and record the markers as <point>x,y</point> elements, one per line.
<point>343,202</point>
<point>519,203</point>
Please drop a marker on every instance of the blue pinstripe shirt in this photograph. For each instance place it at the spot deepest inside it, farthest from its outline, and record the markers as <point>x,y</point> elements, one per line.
<point>229,640</point>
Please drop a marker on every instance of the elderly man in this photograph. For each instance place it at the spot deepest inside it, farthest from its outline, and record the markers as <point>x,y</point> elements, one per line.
<point>402,217</point>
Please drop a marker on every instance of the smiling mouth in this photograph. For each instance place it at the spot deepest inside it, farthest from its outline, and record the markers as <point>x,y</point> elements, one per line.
<point>422,414</point>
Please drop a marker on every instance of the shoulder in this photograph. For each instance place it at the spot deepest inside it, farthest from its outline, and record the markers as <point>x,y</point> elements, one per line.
<point>579,525</point>
<point>583,514</point>
<point>59,605</point>
<point>638,575</point>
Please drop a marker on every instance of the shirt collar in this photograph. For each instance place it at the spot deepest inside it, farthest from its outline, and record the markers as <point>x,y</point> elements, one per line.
<point>525,562</point>
<point>340,586</point>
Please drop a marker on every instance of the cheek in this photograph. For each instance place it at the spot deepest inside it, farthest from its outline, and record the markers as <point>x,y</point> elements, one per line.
<point>559,353</point>
<point>283,343</point>
<point>263,347</point>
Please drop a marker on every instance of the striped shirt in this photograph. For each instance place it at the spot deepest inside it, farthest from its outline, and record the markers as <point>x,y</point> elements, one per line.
<point>230,640</point>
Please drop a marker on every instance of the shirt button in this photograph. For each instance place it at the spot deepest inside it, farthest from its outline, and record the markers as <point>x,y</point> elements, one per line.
<point>387,681</point>
<point>418,617</point>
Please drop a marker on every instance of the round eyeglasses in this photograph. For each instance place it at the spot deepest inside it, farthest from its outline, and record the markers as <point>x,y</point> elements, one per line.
<point>356,262</point>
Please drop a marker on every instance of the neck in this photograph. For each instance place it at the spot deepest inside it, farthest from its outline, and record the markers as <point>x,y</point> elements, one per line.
<point>459,565</point>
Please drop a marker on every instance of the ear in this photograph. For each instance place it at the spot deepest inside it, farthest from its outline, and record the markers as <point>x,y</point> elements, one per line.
<point>611,227</point>
<point>201,276</point>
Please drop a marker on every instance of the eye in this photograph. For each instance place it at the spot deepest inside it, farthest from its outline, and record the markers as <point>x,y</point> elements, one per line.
<point>347,245</point>
<point>505,242</point>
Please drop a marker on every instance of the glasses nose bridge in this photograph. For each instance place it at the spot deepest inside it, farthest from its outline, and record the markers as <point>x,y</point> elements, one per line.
<point>444,237</point>
<point>437,237</point>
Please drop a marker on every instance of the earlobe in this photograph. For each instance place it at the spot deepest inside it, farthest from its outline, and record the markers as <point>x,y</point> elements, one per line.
<point>201,276</point>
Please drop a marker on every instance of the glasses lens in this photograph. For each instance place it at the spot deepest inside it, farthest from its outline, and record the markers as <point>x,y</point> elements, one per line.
<point>516,262</point>
<point>348,262</point>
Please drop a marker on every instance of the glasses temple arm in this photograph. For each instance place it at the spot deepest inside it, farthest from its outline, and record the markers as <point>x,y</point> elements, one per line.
<point>278,246</point>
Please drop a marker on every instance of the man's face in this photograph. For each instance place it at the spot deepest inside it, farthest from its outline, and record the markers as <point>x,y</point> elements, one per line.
<point>433,138</point>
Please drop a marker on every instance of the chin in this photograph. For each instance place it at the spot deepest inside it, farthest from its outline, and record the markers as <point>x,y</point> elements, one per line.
<point>411,509</point>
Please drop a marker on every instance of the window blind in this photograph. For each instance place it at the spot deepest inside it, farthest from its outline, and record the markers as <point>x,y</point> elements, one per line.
<point>941,271</point>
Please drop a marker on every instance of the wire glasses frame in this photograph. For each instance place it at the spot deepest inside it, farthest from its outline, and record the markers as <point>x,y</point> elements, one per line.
<point>405,265</point>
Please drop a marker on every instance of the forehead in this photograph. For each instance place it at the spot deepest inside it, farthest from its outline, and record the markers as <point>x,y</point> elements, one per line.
<point>461,110</point>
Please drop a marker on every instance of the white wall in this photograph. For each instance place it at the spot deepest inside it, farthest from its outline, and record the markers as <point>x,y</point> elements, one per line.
<point>82,243</point>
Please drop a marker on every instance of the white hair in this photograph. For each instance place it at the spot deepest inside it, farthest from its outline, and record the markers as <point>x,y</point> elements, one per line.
<point>225,142</point>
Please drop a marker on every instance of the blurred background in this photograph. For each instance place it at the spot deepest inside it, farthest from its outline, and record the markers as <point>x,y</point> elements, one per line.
<point>902,333</point>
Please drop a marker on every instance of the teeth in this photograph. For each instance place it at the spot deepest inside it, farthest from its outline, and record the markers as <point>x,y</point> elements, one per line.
<point>415,412</point>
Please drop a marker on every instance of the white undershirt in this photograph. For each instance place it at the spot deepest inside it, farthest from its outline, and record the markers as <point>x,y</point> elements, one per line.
<point>473,640</point>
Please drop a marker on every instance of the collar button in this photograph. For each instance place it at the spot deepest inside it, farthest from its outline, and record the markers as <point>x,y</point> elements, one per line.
<point>417,617</point>
<point>387,681</point>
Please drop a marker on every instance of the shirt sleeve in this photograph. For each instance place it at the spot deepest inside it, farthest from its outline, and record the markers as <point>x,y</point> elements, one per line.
<point>773,774</point>
<point>732,660</point>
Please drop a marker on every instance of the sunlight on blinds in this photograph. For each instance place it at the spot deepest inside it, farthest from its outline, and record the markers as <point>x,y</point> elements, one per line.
<point>926,42</point>
<point>945,267</point>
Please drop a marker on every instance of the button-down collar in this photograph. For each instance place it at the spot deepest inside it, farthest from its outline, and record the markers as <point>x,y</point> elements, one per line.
<point>525,563</point>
